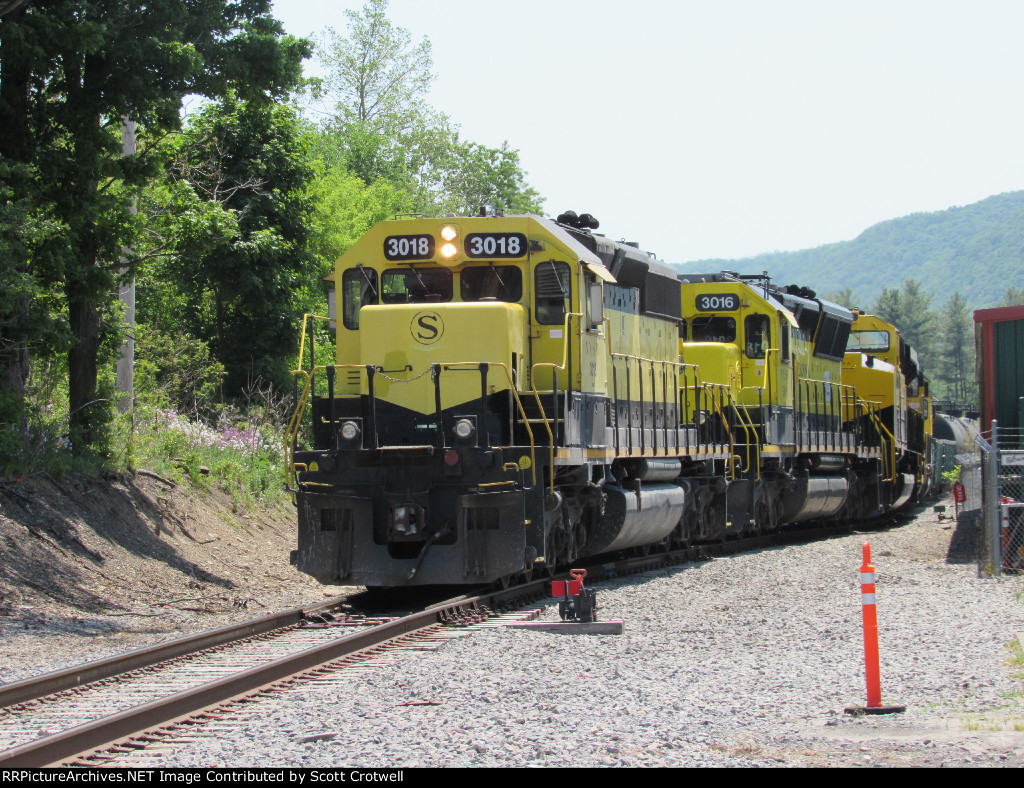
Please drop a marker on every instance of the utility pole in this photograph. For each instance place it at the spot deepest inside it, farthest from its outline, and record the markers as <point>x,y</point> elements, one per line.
<point>126,294</point>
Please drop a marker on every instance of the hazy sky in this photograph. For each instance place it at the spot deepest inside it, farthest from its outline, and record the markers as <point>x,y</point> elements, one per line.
<point>727,128</point>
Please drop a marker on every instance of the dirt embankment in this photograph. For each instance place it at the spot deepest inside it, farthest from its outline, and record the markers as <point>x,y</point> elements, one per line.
<point>89,556</point>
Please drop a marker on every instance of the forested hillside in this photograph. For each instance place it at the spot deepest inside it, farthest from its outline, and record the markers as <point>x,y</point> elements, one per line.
<point>224,216</point>
<point>925,273</point>
<point>976,249</point>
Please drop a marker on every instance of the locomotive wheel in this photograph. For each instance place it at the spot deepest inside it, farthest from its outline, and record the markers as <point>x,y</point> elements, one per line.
<point>687,528</point>
<point>762,518</point>
<point>526,575</point>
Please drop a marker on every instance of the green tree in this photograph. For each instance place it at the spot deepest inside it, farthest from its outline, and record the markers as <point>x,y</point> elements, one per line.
<point>909,310</point>
<point>72,69</point>
<point>844,297</point>
<point>957,349</point>
<point>382,128</point>
<point>492,178</point>
<point>889,305</point>
<point>377,76</point>
<point>1013,296</point>
<point>240,272</point>
<point>376,83</point>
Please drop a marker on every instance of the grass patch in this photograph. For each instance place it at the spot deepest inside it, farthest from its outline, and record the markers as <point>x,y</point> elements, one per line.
<point>1010,716</point>
<point>240,454</point>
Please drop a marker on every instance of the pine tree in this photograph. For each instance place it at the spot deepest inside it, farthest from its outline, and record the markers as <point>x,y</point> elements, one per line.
<point>957,350</point>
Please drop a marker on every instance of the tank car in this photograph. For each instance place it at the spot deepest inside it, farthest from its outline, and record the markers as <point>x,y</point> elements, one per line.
<point>954,439</point>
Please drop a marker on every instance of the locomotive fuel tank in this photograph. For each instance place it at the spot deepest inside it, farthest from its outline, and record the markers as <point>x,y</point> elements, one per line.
<point>644,515</point>
<point>815,498</point>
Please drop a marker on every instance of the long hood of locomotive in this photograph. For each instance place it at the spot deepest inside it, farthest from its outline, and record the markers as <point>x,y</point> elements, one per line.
<point>404,342</point>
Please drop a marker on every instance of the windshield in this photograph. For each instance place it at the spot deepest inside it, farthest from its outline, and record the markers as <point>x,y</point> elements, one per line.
<point>868,341</point>
<point>713,329</point>
<point>416,286</point>
<point>501,282</point>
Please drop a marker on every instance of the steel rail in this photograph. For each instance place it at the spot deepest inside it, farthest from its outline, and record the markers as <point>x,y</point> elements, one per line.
<point>69,678</point>
<point>52,750</point>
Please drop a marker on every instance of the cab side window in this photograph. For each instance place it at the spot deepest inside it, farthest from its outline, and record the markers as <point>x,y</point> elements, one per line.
<point>711,328</point>
<point>551,286</point>
<point>757,329</point>
<point>358,288</point>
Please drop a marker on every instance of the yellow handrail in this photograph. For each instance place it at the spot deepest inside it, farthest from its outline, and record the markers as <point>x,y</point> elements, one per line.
<point>751,430</point>
<point>302,338</point>
<point>292,432</point>
<point>515,396</point>
<point>890,453</point>
<point>536,394</point>
<point>296,418</point>
<point>715,408</point>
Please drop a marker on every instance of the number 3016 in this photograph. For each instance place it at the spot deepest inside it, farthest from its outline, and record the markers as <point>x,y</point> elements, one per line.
<point>726,302</point>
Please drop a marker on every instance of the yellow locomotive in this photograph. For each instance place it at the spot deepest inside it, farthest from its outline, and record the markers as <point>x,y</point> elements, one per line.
<point>512,394</point>
<point>887,371</point>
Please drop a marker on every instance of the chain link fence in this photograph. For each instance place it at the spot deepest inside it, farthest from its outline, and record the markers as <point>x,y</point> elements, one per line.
<point>969,542</point>
<point>996,487</point>
<point>1011,499</point>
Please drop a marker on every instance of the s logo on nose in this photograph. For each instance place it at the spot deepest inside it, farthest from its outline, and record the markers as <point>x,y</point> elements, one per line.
<point>427,328</point>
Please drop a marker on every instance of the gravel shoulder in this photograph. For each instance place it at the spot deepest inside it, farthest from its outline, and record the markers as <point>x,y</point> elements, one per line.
<point>748,660</point>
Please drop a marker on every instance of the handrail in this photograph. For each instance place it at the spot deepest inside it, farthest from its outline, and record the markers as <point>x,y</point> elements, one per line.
<point>890,453</point>
<point>292,431</point>
<point>716,408</point>
<point>302,338</point>
<point>533,386</point>
<point>515,396</point>
<point>295,421</point>
<point>665,363</point>
<point>685,405</point>
<point>836,393</point>
<point>752,430</point>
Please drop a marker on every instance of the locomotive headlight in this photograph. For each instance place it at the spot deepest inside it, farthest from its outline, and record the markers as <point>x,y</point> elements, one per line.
<point>448,251</point>
<point>350,430</point>
<point>449,233</point>
<point>464,429</point>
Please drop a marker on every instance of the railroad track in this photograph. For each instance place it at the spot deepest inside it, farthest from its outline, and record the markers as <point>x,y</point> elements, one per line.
<point>99,713</point>
<point>132,709</point>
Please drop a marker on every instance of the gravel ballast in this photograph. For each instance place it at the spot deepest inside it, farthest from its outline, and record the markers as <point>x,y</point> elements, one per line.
<point>740,661</point>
